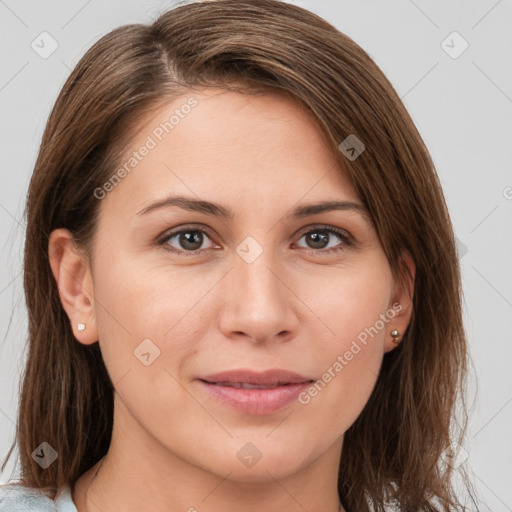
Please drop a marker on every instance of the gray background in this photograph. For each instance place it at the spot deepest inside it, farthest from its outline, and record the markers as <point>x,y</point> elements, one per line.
<point>462,107</point>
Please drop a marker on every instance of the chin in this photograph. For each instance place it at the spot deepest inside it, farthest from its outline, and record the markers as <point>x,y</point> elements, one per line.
<point>260,462</point>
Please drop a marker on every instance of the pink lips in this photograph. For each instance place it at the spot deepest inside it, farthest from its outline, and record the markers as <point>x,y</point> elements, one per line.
<point>253,392</point>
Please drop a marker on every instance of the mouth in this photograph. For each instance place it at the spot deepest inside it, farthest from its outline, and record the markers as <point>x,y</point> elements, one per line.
<point>255,393</point>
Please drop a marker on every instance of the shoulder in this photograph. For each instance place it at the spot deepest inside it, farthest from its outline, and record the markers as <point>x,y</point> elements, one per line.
<point>15,497</point>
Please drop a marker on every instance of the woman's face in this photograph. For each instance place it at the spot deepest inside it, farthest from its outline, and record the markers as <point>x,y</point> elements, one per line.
<point>256,281</point>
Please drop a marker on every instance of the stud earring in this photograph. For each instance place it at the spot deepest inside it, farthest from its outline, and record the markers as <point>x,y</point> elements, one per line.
<point>81,327</point>
<point>395,335</point>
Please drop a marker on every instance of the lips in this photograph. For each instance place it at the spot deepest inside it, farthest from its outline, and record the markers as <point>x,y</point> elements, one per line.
<point>255,393</point>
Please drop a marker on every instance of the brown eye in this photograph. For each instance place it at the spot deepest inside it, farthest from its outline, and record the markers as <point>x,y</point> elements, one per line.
<point>319,238</point>
<point>186,240</point>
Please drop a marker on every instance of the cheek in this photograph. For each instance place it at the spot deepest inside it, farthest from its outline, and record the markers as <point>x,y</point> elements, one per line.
<point>146,320</point>
<point>355,309</point>
<point>132,306</point>
<point>351,301</point>
<point>148,316</point>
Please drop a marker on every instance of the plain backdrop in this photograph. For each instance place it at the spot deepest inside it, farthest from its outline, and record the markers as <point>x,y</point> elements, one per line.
<point>459,97</point>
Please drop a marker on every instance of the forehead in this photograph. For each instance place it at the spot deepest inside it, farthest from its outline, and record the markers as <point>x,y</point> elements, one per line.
<point>243,148</point>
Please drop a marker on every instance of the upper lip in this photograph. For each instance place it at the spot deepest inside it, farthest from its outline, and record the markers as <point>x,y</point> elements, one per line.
<point>266,378</point>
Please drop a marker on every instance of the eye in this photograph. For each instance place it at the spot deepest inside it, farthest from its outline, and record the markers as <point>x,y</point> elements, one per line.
<point>188,239</point>
<point>319,237</point>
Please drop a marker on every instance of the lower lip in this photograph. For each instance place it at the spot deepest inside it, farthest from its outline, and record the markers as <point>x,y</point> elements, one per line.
<point>256,401</point>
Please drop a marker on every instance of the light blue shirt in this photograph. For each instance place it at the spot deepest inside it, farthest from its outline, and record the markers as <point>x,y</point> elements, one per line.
<point>18,498</point>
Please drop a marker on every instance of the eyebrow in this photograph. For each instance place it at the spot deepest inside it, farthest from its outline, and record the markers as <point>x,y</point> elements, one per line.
<point>217,210</point>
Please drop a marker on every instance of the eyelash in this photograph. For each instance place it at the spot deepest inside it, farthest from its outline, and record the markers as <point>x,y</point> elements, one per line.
<point>346,240</point>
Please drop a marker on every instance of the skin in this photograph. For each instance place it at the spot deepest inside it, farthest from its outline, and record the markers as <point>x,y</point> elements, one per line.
<point>173,446</point>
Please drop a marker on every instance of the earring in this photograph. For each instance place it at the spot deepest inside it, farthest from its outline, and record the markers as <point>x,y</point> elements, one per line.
<point>81,327</point>
<point>395,335</point>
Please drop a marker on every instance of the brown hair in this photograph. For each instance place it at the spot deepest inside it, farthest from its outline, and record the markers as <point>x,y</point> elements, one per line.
<point>392,454</point>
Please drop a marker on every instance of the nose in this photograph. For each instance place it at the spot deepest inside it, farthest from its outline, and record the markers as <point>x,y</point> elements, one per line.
<point>258,303</point>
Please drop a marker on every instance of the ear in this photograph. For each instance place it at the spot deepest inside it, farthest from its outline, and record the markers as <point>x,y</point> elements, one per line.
<point>72,273</point>
<point>402,301</point>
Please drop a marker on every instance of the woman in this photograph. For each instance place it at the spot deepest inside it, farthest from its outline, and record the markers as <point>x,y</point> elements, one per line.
<point>241,277</point>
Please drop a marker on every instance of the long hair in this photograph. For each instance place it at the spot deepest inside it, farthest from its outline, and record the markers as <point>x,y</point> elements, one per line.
<point>393,453</point>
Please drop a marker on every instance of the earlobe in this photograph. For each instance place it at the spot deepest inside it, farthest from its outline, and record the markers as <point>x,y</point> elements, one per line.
<point>72,274</point>
<point>402,303</point>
